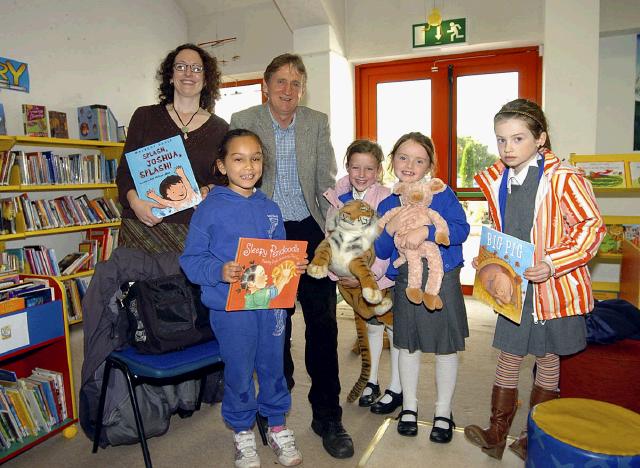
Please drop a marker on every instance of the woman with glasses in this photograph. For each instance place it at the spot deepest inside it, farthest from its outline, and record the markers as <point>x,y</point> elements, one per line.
<point>189,85</point>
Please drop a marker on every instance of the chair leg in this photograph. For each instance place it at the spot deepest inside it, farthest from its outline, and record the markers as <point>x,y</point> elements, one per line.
<point>103,397</point>
<point>203,382</point>
<point>263,427</point>
<point>138,417</point>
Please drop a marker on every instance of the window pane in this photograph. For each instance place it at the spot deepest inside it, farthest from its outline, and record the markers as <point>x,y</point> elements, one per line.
<point>402,107</point>
<point>237,98</point>
<point>477,216</point>
<point>479,97</point>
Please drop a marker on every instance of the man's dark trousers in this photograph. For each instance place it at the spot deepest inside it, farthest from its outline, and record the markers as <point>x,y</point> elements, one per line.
<point>318,301</point>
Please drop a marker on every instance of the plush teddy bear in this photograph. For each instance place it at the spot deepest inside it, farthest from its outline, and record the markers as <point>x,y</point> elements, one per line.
<point>416,198</point>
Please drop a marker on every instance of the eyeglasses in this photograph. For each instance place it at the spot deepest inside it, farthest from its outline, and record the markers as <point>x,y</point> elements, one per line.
<point>182,67</point>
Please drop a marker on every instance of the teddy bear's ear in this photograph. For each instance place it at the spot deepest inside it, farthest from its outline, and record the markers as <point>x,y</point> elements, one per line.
<point>437,185</point>
<point>398,188</point>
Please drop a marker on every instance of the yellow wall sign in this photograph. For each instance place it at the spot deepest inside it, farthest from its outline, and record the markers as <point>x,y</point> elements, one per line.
<point>451,31</point>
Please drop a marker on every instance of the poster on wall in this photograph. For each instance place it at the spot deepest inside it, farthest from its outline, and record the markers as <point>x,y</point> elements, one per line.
<point>636,123</point>
<point>14,75</point>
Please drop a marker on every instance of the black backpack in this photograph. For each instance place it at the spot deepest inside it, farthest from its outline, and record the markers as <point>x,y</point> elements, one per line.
<point>165,314</point>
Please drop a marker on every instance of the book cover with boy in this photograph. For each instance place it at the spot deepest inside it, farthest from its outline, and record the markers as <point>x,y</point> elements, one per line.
<point>35,120</point>
<point>269,277</point>
<point>162,174</point>
<point>499,280</point>
<point>58,124</point>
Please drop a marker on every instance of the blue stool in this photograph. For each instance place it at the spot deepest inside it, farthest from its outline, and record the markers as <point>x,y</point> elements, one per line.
<point>144,367</point>
<point>582,433</point>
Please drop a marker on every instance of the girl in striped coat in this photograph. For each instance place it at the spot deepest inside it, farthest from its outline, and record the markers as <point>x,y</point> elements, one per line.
<point>533,197</point>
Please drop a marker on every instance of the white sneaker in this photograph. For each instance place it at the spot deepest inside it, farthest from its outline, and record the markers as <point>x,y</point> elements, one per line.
<point>246,453</point>
<point>283,444</point>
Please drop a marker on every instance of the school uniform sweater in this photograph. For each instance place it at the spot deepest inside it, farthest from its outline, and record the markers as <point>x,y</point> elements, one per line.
<point>217,224</point>
<point>447,204</point>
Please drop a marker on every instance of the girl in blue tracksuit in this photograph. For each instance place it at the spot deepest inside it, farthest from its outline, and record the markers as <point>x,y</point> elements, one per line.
<point>250,340</point>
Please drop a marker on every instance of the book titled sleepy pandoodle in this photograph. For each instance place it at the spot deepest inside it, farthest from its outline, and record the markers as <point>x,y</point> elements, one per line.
<point>162,174</point>
<point>500,281</point>
<point>269,277</point>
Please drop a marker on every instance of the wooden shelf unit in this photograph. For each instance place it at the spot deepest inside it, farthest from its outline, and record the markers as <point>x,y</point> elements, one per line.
<point>48,348</point>
<point>629,280</point>
<point>111,150</point>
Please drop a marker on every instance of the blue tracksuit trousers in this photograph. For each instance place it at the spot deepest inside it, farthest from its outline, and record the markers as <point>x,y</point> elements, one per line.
<point>252,340</point>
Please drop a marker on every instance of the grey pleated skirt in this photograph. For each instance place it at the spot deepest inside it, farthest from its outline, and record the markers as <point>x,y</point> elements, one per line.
<point>416,328</point>
<point>561,336</point>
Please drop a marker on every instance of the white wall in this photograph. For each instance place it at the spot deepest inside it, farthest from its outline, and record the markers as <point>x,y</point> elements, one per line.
<point>87,52</point>
<point>616,91</point>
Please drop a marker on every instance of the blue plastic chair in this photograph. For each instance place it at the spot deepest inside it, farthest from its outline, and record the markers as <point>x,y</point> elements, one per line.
<point>138,368</point>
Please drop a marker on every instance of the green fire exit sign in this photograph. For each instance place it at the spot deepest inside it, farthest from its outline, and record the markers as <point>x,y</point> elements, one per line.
<point>451,31</point>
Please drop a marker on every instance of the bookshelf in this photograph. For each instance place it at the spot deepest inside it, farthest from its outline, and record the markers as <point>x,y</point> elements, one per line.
<point>47,347</point>
<point>110,150</point>
<point>626,194</point>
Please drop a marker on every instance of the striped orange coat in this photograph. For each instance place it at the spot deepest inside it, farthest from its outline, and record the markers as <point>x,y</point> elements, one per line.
<point>567,227</point>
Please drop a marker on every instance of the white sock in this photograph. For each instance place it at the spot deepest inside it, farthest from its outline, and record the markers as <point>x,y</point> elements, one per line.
<point>446,375</point>
<point>376,336</point>
<point>394,384</point>
<point>409,366</point>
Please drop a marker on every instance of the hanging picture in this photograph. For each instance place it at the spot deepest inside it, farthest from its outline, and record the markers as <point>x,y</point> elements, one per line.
<point>14,75</point>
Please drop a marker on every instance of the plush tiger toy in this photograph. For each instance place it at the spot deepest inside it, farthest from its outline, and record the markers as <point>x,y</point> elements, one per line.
<point>348,252</point>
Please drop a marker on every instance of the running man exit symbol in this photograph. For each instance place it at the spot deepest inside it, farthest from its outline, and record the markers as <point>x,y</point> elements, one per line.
<point>451,31</point>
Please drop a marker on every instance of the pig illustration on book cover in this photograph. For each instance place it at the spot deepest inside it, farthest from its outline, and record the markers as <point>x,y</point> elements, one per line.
<point>499,280</point>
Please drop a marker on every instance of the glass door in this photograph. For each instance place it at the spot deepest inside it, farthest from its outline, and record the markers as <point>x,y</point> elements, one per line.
<point>452,99</point>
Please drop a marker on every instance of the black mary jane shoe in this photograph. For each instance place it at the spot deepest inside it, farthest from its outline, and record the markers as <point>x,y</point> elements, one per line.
<point>408,428</point>
<point>386,408</point>
<point>439,435</point>
<point>370,399</point>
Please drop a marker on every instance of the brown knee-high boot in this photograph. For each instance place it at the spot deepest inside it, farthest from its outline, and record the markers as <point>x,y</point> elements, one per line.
<point>538,395</point>
<point>492,440</point>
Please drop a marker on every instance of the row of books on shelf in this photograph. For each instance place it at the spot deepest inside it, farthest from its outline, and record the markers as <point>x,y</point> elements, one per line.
<point>30,406</point>
<point>63,211</point>
<point>95,122</point>
<point>616,233</point>
<point>17,294</point>
<point>75,289</point>
<point>46,168</point>
<point>41,260</point>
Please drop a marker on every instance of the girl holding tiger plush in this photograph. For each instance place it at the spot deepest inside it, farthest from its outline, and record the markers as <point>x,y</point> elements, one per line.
<point>363,161</point>
<point>417,329</point>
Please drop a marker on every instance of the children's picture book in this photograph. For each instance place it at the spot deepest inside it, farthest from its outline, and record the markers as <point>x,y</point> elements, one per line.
<point>162,174</point>
<point>35,120</point>
<point>634,172</point>
<point>612,240</point>
<point>269,277</point>
<point>499,280</point>
<point>3,121</point>
<point>58,124</point>
<point>604,174</point>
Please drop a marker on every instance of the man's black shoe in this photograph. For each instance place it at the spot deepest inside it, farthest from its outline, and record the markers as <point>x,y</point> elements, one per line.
<point>335,439</point>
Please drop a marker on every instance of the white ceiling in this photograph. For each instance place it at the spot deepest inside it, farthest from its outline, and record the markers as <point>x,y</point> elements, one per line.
<point>197,8</point>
